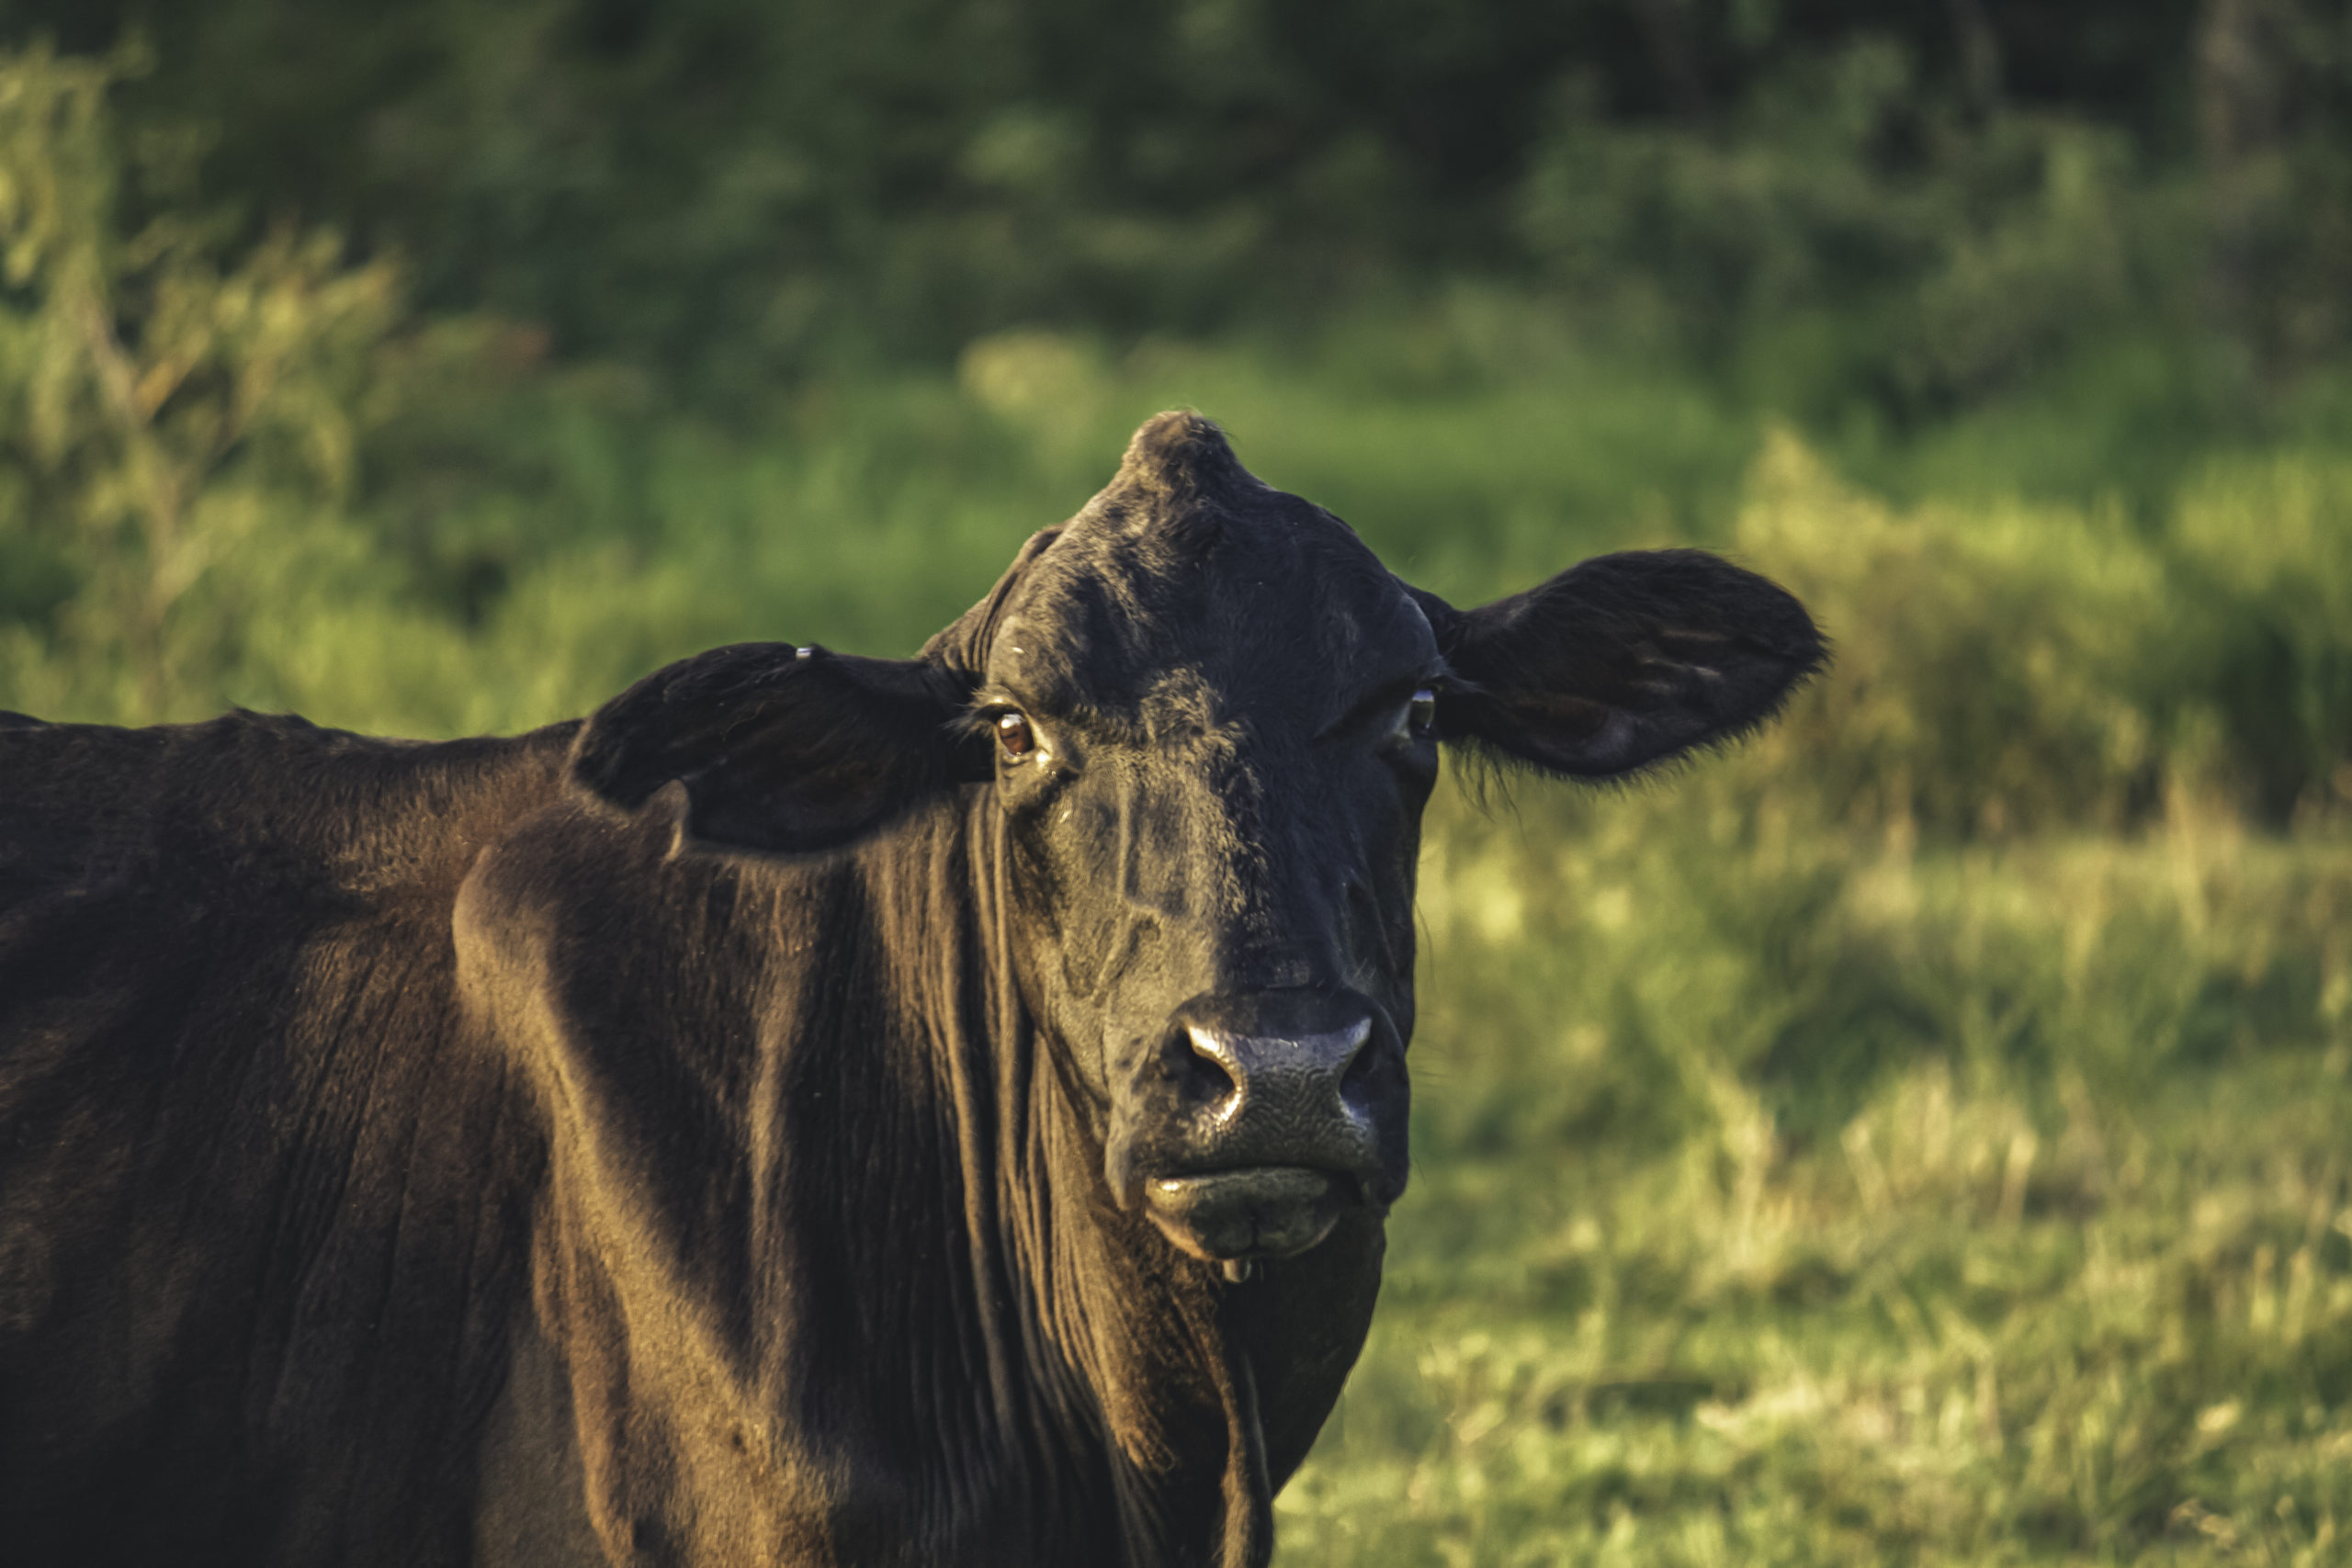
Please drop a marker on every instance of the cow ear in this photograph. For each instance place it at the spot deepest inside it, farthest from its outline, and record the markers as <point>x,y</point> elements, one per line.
<point>792,751</point>
<point>1622,662</point>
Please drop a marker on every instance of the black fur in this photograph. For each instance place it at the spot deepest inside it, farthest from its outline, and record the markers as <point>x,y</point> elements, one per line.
<point>469,1152</point>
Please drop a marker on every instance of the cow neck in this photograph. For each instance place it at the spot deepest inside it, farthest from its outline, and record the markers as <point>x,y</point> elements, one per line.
<point>1113,1357</point>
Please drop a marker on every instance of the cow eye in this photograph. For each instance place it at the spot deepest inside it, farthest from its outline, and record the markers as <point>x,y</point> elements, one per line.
<point>1014,736</point>
<point>1420,714</point>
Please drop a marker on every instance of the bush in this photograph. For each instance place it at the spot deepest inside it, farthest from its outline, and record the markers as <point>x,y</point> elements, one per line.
<point>1845,235</point>
<point>168,415</point>
<point>2264,557</point>
<point>1999,669</point>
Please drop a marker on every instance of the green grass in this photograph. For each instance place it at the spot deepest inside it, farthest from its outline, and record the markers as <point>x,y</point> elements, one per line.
<point>1919,1137</point>
<point>1795,1201</point>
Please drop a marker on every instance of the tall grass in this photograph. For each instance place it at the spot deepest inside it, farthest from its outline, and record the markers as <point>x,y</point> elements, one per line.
<point>1796,1197</point>
<point>1920,1137</point>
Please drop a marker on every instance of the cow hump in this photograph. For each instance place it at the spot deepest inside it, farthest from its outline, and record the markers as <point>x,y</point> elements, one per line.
<point>1182,456</point>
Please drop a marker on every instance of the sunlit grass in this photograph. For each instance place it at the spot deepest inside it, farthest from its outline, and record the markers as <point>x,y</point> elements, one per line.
<point>1994,1211</point>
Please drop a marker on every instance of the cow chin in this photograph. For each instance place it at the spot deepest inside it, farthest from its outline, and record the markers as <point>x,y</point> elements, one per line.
<point>1231,1216</point>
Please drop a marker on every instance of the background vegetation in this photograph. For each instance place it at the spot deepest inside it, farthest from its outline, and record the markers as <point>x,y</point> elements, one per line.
<point>1918,1138</point>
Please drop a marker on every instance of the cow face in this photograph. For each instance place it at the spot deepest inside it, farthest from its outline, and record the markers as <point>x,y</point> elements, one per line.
<point>1214,721</point>
<point>1206,721</point>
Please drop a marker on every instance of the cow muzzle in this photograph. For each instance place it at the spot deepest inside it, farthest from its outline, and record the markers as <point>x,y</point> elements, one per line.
<point>1261,1119</point>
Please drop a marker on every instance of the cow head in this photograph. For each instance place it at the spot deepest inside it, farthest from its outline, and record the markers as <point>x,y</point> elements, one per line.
<point>1207,719</point>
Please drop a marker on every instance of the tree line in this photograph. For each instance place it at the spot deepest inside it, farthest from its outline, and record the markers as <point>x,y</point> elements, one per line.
<point>731,192</point>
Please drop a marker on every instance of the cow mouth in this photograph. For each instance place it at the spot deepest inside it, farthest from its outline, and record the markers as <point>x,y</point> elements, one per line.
<point>1263,1211</point>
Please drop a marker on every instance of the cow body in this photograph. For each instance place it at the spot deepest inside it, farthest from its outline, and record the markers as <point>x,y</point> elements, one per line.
<point>236,1104</point>
<point>816,1112</point>
<point>381,1131</point>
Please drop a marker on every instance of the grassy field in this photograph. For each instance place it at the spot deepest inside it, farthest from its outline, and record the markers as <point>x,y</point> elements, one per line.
<point>1917,1138</point>
<point>1922,1138</point>
<point>1798,1197</point>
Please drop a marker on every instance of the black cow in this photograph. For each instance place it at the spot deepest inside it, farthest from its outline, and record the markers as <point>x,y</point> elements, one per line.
<point>819,1110</point>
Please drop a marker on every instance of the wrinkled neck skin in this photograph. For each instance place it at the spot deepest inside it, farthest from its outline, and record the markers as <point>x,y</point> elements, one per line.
<point>1161,1361</point>
<point>829,1262</point>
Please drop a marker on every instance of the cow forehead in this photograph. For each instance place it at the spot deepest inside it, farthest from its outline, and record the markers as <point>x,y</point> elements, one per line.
<point>1172,617</point>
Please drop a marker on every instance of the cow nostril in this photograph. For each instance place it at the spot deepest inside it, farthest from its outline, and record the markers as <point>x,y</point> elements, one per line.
<point>1355,1082</point>
<point>1303,1077</point>
<point>1205,1070</point>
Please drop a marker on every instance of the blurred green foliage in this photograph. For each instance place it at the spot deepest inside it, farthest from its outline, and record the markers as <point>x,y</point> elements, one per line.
<point>160,413</point>
<point>1862,210</point>
<point>1915,1137</point>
